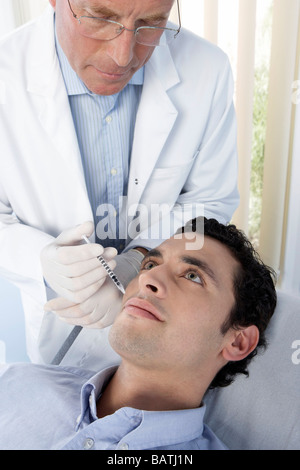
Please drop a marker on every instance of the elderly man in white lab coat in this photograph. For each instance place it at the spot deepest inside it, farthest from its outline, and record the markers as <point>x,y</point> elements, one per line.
<point>177,149</point>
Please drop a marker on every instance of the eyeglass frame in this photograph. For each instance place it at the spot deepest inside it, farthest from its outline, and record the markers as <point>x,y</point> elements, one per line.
<point>123,28</point>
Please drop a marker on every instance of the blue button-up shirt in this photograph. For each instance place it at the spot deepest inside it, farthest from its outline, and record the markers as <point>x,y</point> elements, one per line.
<point>104,126</point>
<point>54,408</point>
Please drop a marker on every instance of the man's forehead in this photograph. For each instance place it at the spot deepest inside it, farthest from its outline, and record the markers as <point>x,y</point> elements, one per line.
<point>147,4</point>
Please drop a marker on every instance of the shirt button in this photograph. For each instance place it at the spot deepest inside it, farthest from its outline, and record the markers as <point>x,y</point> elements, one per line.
<point>124,446</point>
<point>113,171</point>
<point>88,443</point>
<point>108,119</point>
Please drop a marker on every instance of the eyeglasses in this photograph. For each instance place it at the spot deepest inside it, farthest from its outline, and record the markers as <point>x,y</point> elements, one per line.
<point>106,30</point>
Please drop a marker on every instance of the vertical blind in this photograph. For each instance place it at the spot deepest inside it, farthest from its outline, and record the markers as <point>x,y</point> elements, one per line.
<point>244,104</point>
<point>280,128</point>
<point>25,10</point>
<point>211,15</point>
<point>280,223</point>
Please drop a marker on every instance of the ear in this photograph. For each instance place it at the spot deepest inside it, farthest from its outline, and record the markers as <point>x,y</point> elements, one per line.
<point>244,342</point>
<point>53,3</point>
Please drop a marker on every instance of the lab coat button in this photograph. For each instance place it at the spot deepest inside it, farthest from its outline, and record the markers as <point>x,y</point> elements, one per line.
<point>124,446</point>
<point>88,443</point>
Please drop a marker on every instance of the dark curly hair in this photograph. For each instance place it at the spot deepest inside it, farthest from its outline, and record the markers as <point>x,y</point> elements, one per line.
<point>254,291</point>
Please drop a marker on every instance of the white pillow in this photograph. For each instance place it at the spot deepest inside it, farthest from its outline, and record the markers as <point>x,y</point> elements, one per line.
<point>263,411</point>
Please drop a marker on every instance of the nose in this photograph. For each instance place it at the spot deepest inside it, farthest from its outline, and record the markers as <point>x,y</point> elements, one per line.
<point>154,281</point>
<point>121,49</point>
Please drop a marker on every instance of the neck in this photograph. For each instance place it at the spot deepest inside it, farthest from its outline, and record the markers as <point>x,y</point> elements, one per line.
<point>147,390</point>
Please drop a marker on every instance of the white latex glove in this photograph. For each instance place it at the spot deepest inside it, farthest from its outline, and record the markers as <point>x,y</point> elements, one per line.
<point>100,309</point>
<point>70,266</point>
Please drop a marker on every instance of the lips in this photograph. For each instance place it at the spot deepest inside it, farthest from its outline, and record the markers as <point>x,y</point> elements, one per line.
<point>142,308</point>
<point>112,75</point>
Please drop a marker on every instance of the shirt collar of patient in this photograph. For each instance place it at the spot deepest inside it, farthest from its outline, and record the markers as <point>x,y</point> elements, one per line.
<point>75,85</point>
<point>127,419</point>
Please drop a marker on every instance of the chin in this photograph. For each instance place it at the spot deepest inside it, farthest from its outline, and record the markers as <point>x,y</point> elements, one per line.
<point>106,91</point>
<point>99,87</point>
<point>129,343</point>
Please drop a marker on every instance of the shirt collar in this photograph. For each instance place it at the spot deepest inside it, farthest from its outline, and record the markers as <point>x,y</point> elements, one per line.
<point>74,84</point>
<point>172,429</point>
<point>91,391</point>
<point>172,423</point>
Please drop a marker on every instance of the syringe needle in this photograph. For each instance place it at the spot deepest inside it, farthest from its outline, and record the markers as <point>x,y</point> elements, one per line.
<point>107,269</point>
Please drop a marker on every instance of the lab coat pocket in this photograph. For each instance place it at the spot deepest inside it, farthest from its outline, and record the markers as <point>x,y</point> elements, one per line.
<point>165,184</point>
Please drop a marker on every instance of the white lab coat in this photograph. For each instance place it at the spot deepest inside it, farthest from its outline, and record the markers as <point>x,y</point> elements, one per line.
<point>184,151</point>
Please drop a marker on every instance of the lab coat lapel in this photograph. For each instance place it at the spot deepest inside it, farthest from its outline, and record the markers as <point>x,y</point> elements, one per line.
<point>47,89</point>
<point>155,119</point>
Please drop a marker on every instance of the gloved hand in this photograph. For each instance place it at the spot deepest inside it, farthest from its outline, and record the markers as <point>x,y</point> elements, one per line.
<point>70,266</point>
<point>100,308</point>
<point>98,311</point>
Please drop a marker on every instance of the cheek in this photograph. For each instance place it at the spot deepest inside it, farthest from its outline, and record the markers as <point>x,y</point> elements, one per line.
<point>131,289</point>
<point>198,324</point>
<point>143,54</point>
<point>77,53</point>
<point>75,46</point>
<point>149,55</point>
<point>196,344</point>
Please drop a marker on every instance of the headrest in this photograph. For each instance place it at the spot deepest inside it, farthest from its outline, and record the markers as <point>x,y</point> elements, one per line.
<point>262,412</point>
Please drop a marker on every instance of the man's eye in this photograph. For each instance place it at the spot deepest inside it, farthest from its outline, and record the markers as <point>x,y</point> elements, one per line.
<point>194,277</point>
<point>148,265</point>
<point>153,24</point>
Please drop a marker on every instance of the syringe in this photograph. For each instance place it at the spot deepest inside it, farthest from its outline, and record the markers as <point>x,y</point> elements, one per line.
<point>107,269</point>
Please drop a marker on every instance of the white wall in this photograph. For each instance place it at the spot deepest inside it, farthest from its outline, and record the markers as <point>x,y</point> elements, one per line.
<point>12,327</point>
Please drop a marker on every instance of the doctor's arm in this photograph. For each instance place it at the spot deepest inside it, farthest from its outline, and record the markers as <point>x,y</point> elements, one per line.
<point>20,253</point>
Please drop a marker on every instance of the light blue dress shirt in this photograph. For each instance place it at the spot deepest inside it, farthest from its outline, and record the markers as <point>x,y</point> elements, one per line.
<point>104,126</point>
<point>54,408</point>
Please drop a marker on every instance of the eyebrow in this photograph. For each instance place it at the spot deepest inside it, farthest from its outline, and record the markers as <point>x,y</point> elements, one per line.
<point>191,260</point>
<point>103,10</point>
<point>153,253</point>
<point>202,265</point>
